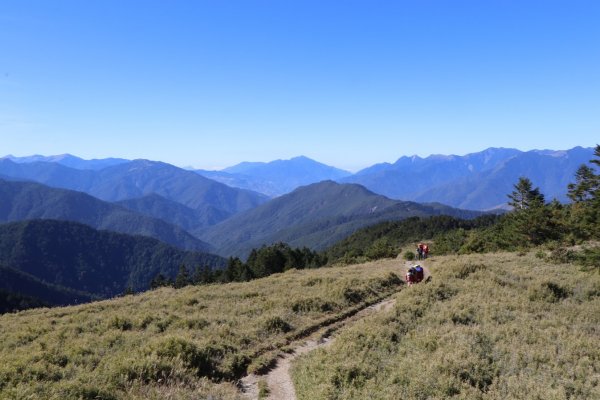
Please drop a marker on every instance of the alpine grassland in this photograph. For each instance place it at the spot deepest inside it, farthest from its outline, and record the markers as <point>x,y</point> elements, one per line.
<point>187,343</point>
<point>487,326</point>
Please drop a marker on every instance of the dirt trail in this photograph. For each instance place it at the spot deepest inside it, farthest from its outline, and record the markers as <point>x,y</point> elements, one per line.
<point>279,379</point>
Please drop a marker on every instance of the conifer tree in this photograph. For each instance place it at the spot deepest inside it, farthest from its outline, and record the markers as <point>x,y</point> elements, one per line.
<point>586,184</point>
<point>525,196</point>
<point>531,218</point>
<point>183,277</point>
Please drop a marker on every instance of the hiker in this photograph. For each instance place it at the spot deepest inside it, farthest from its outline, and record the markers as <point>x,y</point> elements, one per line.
<point>410,276</point>
<point>418,273</point>
<point>420,251</point>
<point>425,251</point>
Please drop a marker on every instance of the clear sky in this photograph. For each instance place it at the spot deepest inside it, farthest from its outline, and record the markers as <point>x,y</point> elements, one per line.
<point>348,83</point>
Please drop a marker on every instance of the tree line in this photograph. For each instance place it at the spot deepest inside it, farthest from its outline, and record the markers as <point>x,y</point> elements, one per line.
<point>261,262</point>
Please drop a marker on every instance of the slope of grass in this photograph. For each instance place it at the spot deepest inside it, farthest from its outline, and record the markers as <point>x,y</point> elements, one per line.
<point>491,326</point>
<point>176,343</point>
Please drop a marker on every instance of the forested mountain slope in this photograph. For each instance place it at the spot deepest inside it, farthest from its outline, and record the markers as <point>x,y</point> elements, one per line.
<point>29,200</point>
<point>80,258</point>
<point>316,215</point>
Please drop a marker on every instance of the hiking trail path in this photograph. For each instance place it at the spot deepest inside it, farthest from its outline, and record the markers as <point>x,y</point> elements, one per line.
<point>279,379</point>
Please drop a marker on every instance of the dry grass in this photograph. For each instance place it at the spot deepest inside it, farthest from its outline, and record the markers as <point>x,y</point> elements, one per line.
<point>174,344</point>
<point>493,326</point>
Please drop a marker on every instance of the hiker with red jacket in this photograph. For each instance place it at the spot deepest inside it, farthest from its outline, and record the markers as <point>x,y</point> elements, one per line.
<point>420,251</point>
<point>410,276</point>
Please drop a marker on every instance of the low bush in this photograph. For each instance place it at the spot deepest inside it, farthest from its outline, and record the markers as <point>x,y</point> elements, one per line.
<point>276,325</point>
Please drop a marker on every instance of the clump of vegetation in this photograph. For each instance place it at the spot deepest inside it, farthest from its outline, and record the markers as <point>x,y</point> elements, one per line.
<point>488,326</point>
<point>263,389</point>
<point>276,325</point>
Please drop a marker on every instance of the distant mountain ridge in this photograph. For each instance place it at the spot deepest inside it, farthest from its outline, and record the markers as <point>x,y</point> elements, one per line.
<point>478,181</point>
<point>138,178</point>
<point>69,160</point>
<point>276,177</point>
<point>30,200</point>
<point>315,216</point>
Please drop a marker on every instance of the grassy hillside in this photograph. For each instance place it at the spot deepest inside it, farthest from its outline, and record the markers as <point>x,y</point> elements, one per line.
<point>172,342</point>
<point>81,258</point>
<point>491,326</point>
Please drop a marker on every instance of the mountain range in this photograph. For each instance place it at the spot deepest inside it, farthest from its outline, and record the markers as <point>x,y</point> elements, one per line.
<point>478,181</point>
<point>235,220</point>
<point>68,160</point>
<point>138,178</point>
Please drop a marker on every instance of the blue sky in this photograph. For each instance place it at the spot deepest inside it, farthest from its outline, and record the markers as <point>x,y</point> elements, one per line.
<point>348,83</point>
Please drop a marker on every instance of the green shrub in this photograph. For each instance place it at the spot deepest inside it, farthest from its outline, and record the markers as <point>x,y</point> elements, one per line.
<point>464,270</point>
<point>409,255</point>
<point>561,255</point>
<point>589,258</point>
<point>205,360</point>
<point>381,248</point>
<point>263,389</point>
<point>121,323</point>
<point>276,325</point>
<point>353,295</point>
<point>143,370</point>
<point>87,392</point>
<point>550,292</point>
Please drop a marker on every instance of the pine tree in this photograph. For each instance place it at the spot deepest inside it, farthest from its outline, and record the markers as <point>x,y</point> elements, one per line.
<point>183,277</point>
<point>597,155</point>
<point>532,220</point>
<point>585,192</point>
<point>525,196</point>
<point>586,185</point>
<point>159,281</point>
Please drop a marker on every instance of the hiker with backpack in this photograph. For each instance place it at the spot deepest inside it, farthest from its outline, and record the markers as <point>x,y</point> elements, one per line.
<point>410,276</point>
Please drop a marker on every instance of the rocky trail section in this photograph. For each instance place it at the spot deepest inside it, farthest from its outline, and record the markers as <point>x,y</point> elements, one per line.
<point>278,379</point>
